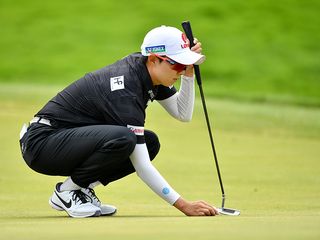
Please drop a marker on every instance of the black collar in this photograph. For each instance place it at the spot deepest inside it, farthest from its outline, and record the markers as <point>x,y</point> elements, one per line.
<point>144,75</point>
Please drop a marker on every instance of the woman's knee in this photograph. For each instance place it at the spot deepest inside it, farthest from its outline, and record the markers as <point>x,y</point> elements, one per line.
<point>123,140</point>
<point>153,143</point>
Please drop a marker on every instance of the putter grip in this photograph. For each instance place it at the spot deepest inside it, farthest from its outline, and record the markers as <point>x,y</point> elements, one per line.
<point>187,29</point>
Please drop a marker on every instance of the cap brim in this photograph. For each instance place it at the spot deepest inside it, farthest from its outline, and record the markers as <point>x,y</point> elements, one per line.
<point>188,58</point>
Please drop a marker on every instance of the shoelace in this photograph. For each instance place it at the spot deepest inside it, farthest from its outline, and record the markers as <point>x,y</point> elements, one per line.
<point>79,196</point>
<point>93,194</point>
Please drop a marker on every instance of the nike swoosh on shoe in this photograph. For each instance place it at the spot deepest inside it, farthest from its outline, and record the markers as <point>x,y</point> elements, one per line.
<point>66,204</point>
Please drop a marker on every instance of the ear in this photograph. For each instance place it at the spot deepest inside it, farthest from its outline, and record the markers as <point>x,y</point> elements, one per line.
<point>152,58</point>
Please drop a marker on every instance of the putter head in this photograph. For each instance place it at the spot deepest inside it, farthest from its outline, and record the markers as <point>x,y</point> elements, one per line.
<point>229,211</point>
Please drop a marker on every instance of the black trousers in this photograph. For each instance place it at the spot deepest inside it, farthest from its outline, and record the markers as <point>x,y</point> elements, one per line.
<point>87,154</point>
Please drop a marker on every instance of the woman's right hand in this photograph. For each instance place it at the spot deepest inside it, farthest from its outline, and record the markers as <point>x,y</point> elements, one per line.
<point>195,208</point>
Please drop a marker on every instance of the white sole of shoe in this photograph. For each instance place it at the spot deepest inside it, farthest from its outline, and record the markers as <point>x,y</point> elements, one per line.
<point>108,210</point>
<point>59,208</point>
<point>109,213</point>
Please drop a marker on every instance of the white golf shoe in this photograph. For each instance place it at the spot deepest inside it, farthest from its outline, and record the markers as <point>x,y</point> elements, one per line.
<point>106,210</point>
<point>75,203</point>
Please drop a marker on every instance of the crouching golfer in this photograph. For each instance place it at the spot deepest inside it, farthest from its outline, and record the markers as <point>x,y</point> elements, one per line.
<point>93,130</point>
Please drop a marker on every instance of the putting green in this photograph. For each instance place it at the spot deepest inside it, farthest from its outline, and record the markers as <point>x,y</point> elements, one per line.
<point>269,159</point>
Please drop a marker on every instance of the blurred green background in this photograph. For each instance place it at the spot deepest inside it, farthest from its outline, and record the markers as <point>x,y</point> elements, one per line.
<point>261,80</point>
<point>262,50</point>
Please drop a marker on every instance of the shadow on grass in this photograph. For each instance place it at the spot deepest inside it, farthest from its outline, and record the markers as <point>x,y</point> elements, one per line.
<point>147,216</point>
<point>33,217</point>
<point>91,218</point>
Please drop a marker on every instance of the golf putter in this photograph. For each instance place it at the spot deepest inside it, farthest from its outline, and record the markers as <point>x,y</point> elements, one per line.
<point>225,211</point>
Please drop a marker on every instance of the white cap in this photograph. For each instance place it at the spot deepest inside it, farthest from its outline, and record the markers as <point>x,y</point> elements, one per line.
<point>170,42</point>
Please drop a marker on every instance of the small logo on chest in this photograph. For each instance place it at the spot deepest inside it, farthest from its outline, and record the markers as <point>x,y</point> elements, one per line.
<point>117,83</point>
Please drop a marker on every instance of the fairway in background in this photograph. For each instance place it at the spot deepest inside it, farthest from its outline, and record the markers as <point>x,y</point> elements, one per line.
<point>262,50</point>
<point>268,156</point>
<point>261,79</point>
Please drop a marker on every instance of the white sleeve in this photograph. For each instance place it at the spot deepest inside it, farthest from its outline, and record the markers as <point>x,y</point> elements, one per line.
<point>149,174</point>
<point>180,105</point>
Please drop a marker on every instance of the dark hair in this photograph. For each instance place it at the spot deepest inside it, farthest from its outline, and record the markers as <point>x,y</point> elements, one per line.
<point>144,59</point>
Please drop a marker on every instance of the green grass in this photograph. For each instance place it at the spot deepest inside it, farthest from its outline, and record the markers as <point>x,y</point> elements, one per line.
<point>259,54</point>
<point>269,158</point>
<point>262,50</point>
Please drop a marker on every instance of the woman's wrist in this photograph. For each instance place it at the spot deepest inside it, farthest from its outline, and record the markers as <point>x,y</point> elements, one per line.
<point>180,204</point>
<point>189,71</point>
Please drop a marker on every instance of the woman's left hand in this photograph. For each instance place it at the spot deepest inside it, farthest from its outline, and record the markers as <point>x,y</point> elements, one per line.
<point>198,49</point>
<point>197,46</point>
